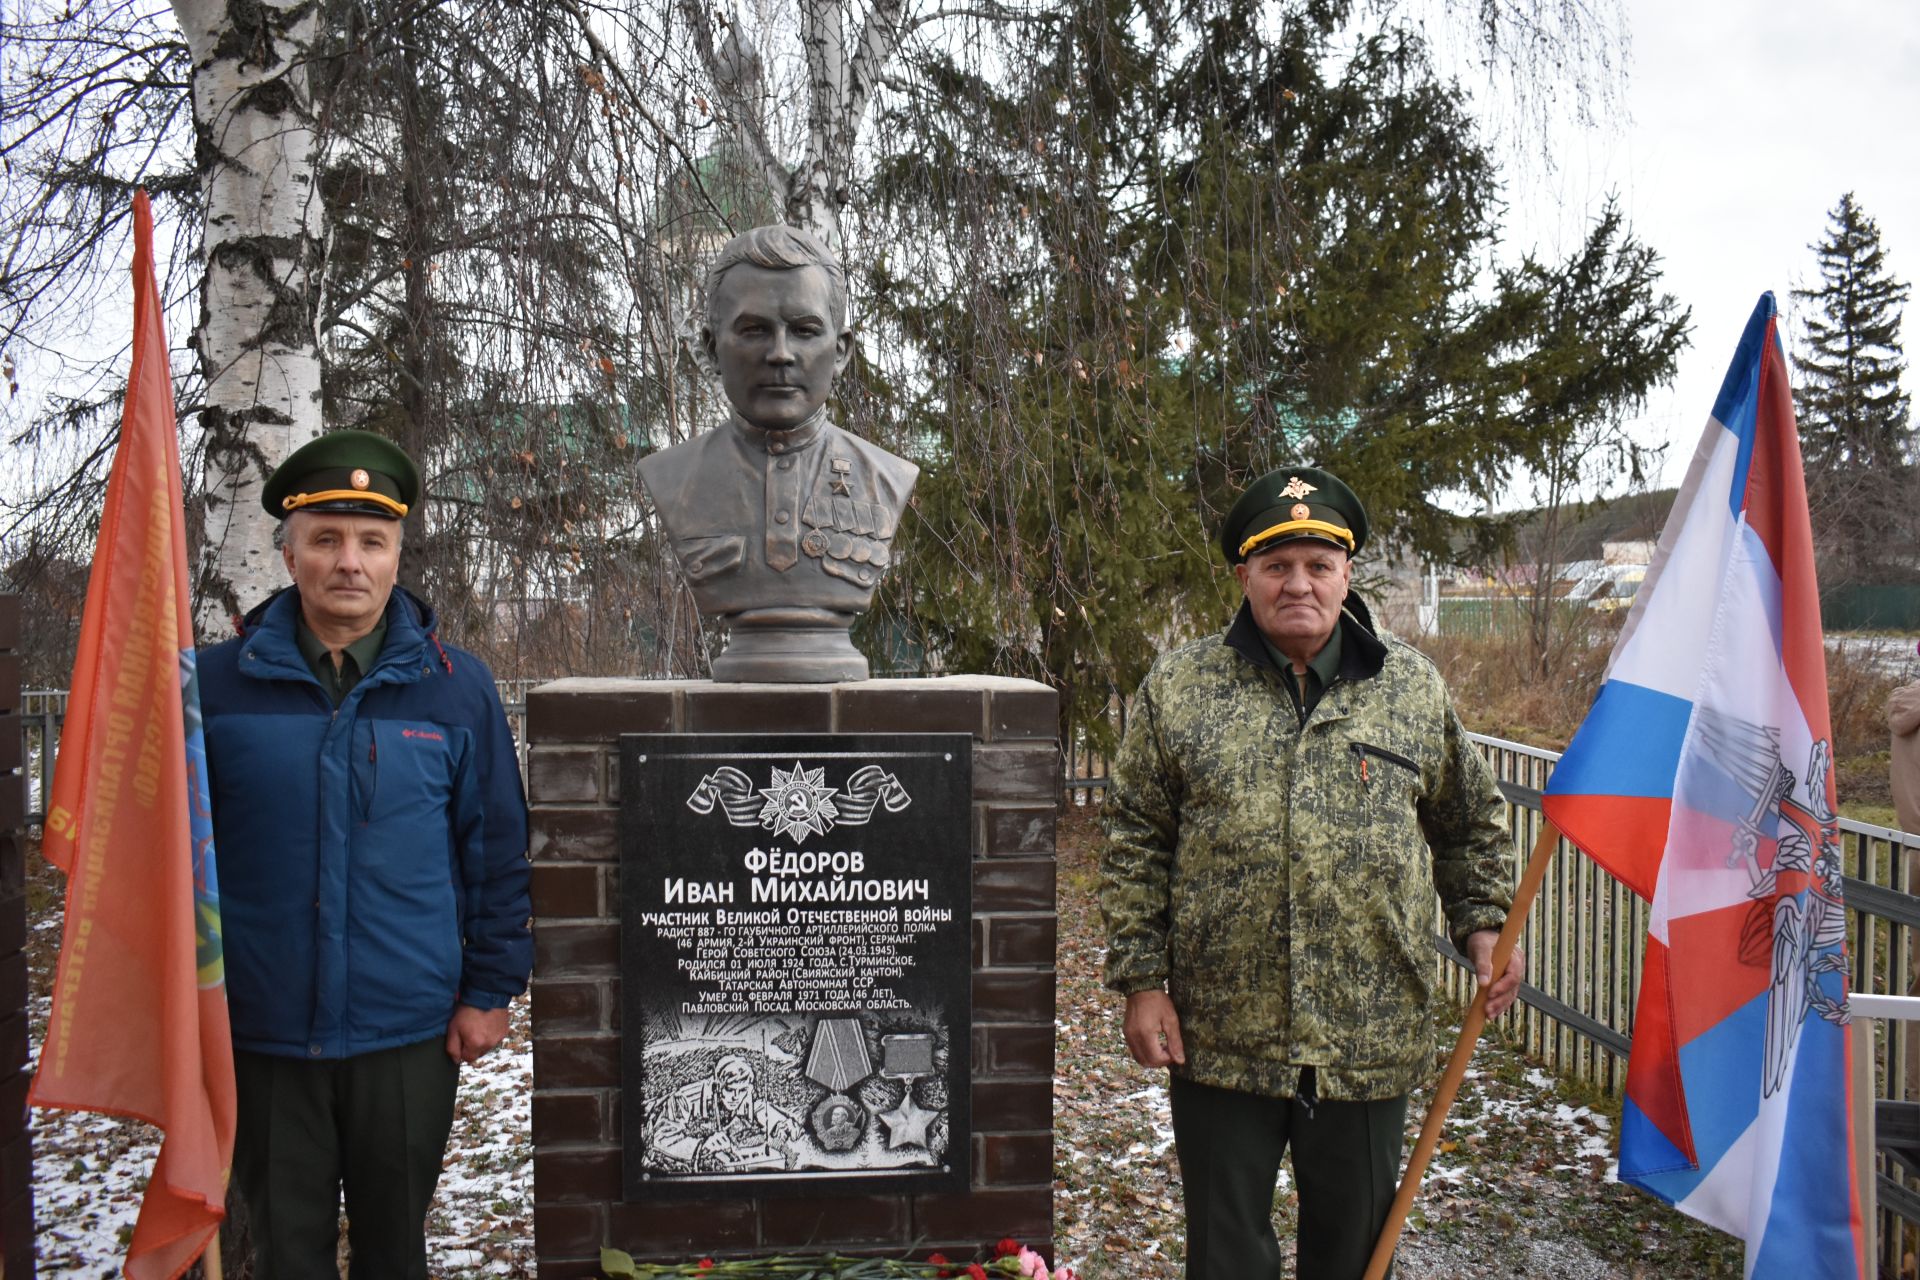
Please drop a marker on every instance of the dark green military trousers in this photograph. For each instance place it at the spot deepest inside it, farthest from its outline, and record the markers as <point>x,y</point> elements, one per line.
<point>1346,1164</point>
<point>374,1125</point>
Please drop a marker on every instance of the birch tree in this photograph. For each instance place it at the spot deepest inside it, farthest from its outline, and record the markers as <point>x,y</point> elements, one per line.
<point>258,350</point>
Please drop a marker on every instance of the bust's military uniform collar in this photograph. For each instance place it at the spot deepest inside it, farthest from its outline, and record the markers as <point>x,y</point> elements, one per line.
<point>791,440</point>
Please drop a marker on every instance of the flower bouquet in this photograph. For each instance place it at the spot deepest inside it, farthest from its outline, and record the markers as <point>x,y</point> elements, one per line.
<point>1011,1260</point>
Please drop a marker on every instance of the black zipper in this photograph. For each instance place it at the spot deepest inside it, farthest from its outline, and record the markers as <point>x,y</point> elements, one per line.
<point>1361,750</point>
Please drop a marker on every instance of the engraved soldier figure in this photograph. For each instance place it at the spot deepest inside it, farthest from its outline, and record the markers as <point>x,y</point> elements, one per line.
<point>782,521</point>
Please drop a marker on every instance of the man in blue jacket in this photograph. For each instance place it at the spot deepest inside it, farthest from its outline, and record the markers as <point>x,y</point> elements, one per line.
<point>373,873</point>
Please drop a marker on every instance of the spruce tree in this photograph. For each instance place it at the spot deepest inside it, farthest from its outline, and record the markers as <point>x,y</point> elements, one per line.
<point>1856,425</point>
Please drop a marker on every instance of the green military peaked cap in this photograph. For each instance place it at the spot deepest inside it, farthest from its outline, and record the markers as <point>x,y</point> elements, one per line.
<point>353,472</point>
<point>1294,502</point>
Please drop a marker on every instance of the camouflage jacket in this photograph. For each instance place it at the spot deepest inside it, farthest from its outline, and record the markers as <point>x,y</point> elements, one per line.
<point>1280,878</point>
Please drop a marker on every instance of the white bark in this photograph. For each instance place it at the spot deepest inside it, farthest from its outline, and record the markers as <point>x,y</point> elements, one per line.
<point>256,151</point>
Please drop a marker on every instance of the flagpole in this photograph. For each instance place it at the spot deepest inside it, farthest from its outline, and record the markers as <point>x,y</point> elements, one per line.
<point>1470,1029</point>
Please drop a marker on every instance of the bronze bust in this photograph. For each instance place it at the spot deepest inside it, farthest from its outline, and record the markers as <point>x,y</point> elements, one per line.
<point>782,522</point>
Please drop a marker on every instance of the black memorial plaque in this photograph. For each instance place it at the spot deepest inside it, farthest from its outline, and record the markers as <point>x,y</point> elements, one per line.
<point>796,962</point>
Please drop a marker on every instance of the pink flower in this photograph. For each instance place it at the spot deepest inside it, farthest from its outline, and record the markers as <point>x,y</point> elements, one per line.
<point>1032,1264</point>
<point>1064,1272</point>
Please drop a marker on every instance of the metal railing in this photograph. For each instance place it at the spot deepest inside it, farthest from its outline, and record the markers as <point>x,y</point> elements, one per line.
<point>42,711</point>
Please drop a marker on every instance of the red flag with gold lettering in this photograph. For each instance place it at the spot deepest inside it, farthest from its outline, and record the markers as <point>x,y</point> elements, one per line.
<point>139,1023</point>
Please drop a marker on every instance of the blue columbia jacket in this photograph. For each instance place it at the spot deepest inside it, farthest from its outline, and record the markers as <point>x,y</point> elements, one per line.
<point>372,860</point>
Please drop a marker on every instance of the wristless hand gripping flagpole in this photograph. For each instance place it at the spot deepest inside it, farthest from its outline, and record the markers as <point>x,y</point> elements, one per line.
<point>1470,1029</point>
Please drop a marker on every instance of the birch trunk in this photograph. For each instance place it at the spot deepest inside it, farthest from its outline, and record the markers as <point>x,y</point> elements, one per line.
<point>256,150</point>
<point>841,73</point>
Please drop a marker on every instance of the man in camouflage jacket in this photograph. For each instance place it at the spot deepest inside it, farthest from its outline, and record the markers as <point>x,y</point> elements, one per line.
<point>1287,803</point>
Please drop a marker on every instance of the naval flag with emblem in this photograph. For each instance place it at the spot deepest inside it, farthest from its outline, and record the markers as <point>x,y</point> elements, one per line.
<point>139,1020</point>
<point>1703,779</point>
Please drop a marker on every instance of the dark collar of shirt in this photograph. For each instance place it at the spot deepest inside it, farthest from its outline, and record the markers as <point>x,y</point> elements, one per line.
<point>1321,673</point>
<point>792,440</point>
<point>355,660</point>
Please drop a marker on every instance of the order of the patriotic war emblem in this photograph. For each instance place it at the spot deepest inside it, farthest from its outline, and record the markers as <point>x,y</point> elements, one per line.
<point>798,802</point>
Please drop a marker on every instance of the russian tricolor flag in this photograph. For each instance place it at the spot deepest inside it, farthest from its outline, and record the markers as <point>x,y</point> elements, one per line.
<point>1701,778</point>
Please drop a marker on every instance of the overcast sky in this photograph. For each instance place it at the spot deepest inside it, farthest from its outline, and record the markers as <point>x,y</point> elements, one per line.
<point>1741,125</point>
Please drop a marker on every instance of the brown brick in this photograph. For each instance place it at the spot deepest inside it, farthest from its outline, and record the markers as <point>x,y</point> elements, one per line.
<point>672,1229</point>
<point>1007,884</point>
<point>985,1215</point>
<point>1018,829</point>
<point>13,800</point>
<point>1020,940</point>
<point>1013,995</point>
<point>13,983</point>
<point>12,741</point>
<point>574,1005</point>
<point>576,1062</point>
<point>759,708</point>
<point>574,834</point>
<point>1019,1051</point>
<point>16,1162</point>
<point>9,682</point>
<point>16,1235</point>
<point>13,1042</point>
<point>9,621</point>
<point>567,891</point>
<point>1004,1158</point>
<point>560,1229</point>
<point>570,1268</point>
<point>909,708</point>
<point>13,863</point>
<point>563,775</point>
<point>597,710</point>
<point>1028,772</point>
<point>561,1118</point>
<point>575,950</point>
<point>1025,713</point>
<point>1001,1106</point>
<point>13,922</point>
<point>817,1223</point>
<point>570,1177</point>
<point>13,1102</point>
<point>979,943</point>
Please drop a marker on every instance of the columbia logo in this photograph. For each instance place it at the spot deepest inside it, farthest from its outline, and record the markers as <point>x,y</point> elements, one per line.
<point>421,733</point>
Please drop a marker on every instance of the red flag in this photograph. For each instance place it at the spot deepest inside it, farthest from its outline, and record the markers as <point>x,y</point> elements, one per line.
<point>139,1023</point>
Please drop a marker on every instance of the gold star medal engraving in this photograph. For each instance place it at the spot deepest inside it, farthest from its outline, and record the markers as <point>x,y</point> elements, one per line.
<point>359,479</point>
<point>842,470</point>
<point>1296,488</point>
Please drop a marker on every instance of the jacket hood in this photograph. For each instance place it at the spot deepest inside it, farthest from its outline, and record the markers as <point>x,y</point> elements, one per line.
<point>1903,710</point>
<point>419,610</point>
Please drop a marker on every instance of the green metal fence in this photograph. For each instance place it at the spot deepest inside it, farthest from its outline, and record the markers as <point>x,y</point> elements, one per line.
<point>1871,608</point>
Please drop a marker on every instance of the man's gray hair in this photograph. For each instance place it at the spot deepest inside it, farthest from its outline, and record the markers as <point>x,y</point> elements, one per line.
<point>781,248</point>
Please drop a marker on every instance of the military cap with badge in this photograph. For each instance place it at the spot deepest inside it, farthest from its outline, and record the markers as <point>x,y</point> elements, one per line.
<point>344,472</point>
<point>1294,502</point>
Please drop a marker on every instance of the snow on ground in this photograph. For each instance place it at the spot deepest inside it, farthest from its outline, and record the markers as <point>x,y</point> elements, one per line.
<point>1524,1185</point>
<point>90,1171</point>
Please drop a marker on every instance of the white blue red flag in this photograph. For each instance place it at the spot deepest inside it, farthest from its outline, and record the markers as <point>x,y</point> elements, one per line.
<point>1703,779</point>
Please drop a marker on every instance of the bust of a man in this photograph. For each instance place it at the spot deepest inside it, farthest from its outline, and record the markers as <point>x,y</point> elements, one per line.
<point>782,521</point>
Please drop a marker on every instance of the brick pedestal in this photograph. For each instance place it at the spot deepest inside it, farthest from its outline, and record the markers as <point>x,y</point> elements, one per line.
<point>16,1158</point>
<point>573,786</point>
